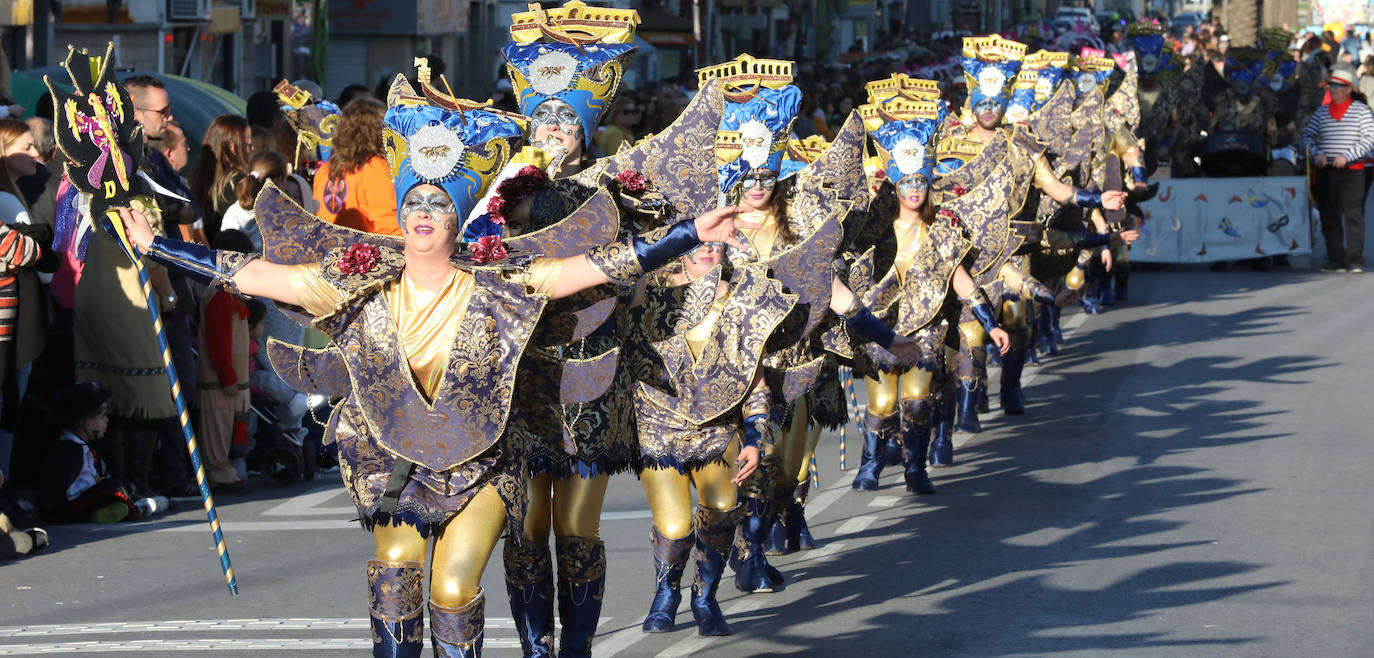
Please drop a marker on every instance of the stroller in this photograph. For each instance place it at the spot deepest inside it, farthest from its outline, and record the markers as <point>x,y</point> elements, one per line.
<point>288,439</point>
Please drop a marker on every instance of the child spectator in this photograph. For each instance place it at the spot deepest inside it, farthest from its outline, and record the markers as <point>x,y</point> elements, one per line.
<point>222,390</point>
<point>265,166</point>
<point>77,486</point>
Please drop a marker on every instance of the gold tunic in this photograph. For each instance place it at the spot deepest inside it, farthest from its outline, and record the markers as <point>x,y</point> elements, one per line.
<point>761,239</point>
<point>909,239</point>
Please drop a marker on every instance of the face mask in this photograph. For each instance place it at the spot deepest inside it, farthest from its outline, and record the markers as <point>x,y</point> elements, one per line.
<point>912,184</point>
<point>432,202</point>
<point>557,114</point>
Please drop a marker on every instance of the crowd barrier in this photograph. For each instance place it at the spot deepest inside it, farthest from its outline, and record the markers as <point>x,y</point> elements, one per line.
<point>1202,220</point>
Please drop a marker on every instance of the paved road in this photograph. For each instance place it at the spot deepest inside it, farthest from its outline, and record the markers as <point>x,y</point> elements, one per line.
<point>1192,480</point>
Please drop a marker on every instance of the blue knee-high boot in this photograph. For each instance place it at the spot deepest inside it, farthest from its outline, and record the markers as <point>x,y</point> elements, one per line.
<point>878,430</point>
<point>529,584</point>
<point>798,534</point>
<point>1013,399</point>
<point>581,588</point>
<point>1044,329</point>
<point>670,558</point>
<point>942,447</point>
<point>916,437</point>
<point>753,574</point>
<point>968,399</point>
<point>714,531</point>
<point>457,632</point>
<point>1055,312</point>
<point>396,603</point>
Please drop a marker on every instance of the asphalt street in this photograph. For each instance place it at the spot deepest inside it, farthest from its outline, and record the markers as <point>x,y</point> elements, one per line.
<point>1192,479</point>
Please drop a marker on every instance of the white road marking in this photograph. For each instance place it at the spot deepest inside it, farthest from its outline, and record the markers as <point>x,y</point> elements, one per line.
<point>697,643</point>
<point>884,501</point>
<point>182,626</point>
<point>855,525</point>
<point>312,644</point>
<point>309,504</point>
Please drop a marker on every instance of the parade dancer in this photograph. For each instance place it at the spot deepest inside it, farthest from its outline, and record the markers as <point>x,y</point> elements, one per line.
<point>985,191</point>
<point>565,66</point>
<point>426,341</point>
<point>907,278</point>
<point>702,335</point>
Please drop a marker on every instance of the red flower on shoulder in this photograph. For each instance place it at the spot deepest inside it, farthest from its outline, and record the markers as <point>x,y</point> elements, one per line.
<point>959,190</point>
<point>632,181</point>
<point>948,214</point>
<point>359,258</point>
<point>496,206</point>
<point>488,248</point>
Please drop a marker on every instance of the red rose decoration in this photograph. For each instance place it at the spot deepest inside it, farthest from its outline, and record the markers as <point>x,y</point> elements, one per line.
<point>880,174</point>
<point>360,258</point>
<point>632,181</point>
<point>488,248</point>
<point>496,207</point>
<point>959,190</point>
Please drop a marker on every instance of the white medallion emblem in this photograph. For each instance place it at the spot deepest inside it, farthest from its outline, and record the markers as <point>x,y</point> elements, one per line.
<point>909,154</point>
<point>991,81</point>
<point>757,141</point>
<point>435,151</point>
<point>551,72</point>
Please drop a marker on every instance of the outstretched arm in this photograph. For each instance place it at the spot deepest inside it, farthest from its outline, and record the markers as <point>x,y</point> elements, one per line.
<point>1067,195</point>
<point>624,261</point>
<point>977,302</point>
<point>250,276</point>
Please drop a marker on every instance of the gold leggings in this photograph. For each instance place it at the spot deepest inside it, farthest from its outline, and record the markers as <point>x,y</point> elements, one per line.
<point>1013,314</point>
<point>972,334</point>
<point>670,495</point>
<point>793,446</point>
<point>891,388</point>
<point>813,435</point>
<point>461,549</point>
<point>571,504</point>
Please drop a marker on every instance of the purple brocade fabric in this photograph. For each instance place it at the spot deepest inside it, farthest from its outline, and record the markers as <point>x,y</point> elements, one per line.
<point>321,371</point>
<point>997,182</point>
<point>680,160</point>
<point>803,272</point>
<point>293,236</point>
<point>472,403</point>
<point>841,165</point>
<point>715,383</point>
<point>1088,135</point>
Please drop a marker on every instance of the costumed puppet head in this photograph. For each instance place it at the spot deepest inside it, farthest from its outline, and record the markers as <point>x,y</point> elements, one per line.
<point>450,143</point>
<point>991,65</point>
<point>1091,70</point>
<point>1051,69</point>
<point>760,104</point>
<point>565,64</point>
<point>1243,69</point>
<point>315,121</point>
<point>95,129</point>
<point>1147,39</point>
<point>906,139</point>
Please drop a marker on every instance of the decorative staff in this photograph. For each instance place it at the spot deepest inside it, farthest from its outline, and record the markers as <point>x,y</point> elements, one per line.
<point>95,130</point>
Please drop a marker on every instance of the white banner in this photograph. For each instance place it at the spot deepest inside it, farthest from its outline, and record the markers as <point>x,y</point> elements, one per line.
<point>1201,220</point>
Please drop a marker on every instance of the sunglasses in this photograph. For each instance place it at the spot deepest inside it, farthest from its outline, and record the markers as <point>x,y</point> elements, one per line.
<point>764,183</point>
<point>166,112</point>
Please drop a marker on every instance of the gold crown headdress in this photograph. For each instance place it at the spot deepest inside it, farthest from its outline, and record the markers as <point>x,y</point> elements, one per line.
<point>808,149</point>
<point>902,85</point>
<point>574,23</point>
<point>742,75</point>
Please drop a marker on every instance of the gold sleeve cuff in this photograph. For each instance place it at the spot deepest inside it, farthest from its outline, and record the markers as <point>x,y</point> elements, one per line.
<point>757,402</point>
<point>616,261</point>
<point>313,293</point>
<point>541,277</point>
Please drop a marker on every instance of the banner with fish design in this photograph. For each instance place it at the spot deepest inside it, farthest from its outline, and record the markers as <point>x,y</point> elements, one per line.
<point>1201,220</point>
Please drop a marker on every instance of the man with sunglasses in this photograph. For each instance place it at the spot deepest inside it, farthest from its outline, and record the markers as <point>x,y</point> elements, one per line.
<point>1339,138</point>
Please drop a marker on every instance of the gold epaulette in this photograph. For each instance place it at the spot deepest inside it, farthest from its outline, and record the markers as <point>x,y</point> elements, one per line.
<point>993,48</point>
<point>575,23</point>
<point>902,85</point>
<point>746,72</point>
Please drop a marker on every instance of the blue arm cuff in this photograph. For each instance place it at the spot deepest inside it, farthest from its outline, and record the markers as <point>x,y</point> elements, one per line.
<point>870,327</point>
<point>1138,174</point>
<point>1086,199</point>
<point>753,436</point>
<point>983,313</point>
<point>680,238</point>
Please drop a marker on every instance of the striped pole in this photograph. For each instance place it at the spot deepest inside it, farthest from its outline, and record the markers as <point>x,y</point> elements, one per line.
<point>847,379</point>
<point>116,229</point>
<point>815,473</point>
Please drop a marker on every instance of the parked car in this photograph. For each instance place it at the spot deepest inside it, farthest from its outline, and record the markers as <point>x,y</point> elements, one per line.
<point>1066,19</point>
<point>1187,18</point>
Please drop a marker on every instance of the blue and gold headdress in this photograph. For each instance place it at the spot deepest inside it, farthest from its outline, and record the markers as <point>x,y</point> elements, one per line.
<point>1051,69</point>
<point>1022,101</point>
<point>1151,55</point>
<point>904,86</point>
<point>990,67</point>
<point>575,53</point>
<point>1243,68</point>
<point>315,121</point>
<point>451,143</point>
<point>1091,71</point>
<point>760,104</point>
<point>904,131</point>
<point>1279,65</point>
